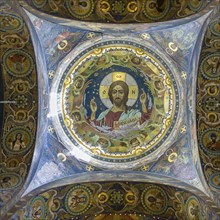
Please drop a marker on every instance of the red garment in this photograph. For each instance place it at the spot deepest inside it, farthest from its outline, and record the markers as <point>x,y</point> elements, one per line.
<point>112,119</point>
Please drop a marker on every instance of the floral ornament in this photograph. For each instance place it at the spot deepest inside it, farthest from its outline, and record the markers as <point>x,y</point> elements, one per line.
<point>117,197</point>
<point>21,101</point>
<point>211,104</point>
<point>118,7</point>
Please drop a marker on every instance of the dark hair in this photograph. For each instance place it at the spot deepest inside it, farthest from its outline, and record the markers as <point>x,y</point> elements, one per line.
<point>15,138</point>
<point>213,135</point>
<point>123,85</point>
<point>6,179</point>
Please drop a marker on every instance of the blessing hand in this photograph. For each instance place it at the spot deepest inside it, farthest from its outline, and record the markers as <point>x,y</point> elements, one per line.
<point>93,105</point>
<point>143,97</point>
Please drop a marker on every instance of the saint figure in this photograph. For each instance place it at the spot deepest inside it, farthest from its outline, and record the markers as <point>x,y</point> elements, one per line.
<point>18,143</point>
<point>120,115</point>
<point>214,144</point>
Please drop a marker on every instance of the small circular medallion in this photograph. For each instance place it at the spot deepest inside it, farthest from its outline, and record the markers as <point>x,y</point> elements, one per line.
<point>195,5</point>
<point>9,181</point>
<point>103,197</point>
<point>38,208</point>
<point>18,140</point>
<point>78,200</point>
<point>214,180</point>
<point>80,9</point>
<point>18,63</point>
<point>10,23</point>
<point>215,27</point>
<point>193,208</point>
<point>156,10</point>
<point>154,200</point>
<point>210,140</point>
<point>210,66</point>
<point>12,163</point>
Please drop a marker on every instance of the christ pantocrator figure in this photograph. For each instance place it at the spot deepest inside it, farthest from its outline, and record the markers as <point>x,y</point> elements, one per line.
<point>120,114</point>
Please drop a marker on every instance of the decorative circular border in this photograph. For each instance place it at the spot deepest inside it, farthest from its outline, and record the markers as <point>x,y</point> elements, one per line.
<point>212,27</point>
<point>12,30</point>
<point>195,9</point>
<point>187,204</point>
<point>69,135</point>
<point>14,74</point>
<point>56,110</point>
<point>77,15</point>
<point>211,180</point>
<point>156,17</point>
<point>42,201</point>
<point>202,68</point>
<point>12,174</point>
<point>19,130</point>
<point>201,142</point>
<point>39,3</point>
<point>67,197</point>
<point>164,196</point>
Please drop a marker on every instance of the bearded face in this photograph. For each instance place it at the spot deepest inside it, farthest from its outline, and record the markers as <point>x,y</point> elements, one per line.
<point>118,95</point>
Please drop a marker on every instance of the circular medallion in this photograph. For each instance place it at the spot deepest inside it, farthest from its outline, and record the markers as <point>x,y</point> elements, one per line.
<point>210,66</point>
<point>10,23</point>
<point>38,208</point>
<point>39,3</point>
<point>78,200</point>
<point>103,197</point>
<point>12,163</point>
<point>212,89</point>
<point>214,180</point>
<point>17,140</point>
<point>195,5</point>
<point>156,10</point>
<point>21,86</point>
<point>104,6</point>
<point>117,102</point>
<point>132,7</point>
<point>210,140</point>
<point>154,200</point>
<point>193,208</point>
<point>215,27</point>
<point>18,63</point>
<point>9,181</point>
<point>80,9</point>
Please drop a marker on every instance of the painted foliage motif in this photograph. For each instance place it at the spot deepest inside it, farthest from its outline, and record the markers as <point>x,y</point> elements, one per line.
<point>122,11</point>
<point>18,117</point>
<point>208,108</point>
<point>121,200</point>
<point>118,100</point>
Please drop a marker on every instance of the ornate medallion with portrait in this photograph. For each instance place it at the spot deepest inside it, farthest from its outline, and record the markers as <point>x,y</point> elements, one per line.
<point>117,101</point>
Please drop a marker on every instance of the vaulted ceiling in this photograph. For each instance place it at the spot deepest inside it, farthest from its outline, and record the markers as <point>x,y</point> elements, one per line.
<point>69,150</point>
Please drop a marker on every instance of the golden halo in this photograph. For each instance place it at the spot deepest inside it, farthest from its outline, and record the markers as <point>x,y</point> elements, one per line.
<point>116,76</point>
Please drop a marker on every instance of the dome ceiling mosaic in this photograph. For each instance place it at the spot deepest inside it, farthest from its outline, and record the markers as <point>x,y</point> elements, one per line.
<point>109,109</point>
<point>123,95</point>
